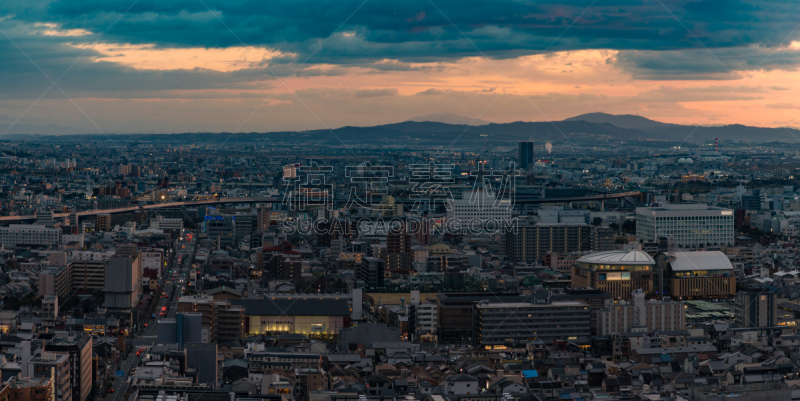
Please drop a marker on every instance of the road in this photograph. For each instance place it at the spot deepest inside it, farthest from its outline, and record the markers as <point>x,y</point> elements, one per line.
<point>148,337</point>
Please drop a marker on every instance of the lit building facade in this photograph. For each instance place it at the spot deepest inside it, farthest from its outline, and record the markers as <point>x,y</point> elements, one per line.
<point>616,272</point>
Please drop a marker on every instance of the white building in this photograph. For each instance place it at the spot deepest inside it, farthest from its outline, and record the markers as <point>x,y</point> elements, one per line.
<point>688,225</point>
<point>426,316</point>
<point>164,223</point>
<point>29,234</point>
<point>652,315</point>
<point>479,207</point>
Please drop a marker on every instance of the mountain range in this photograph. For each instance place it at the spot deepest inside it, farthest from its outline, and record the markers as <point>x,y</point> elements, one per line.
<point>454,131</point>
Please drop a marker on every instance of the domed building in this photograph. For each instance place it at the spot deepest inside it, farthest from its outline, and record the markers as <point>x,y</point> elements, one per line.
<point>616,272</point>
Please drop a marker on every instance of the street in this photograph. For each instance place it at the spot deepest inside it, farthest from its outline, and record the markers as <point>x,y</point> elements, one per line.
<point>149,336</point>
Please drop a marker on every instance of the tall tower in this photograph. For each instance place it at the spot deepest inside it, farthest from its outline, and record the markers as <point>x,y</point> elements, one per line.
<point>525,155</point>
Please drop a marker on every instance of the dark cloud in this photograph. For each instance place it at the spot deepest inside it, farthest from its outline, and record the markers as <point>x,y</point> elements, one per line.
<point>717,63</point>
<point>418,30</point>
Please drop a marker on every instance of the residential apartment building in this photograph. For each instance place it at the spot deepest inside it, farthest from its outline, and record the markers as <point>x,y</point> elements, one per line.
<point>652,315</point>
<point>529,243</point>
<point>756,309</point>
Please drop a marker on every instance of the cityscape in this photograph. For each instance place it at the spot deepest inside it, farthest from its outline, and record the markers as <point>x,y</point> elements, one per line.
<point>411,201</point>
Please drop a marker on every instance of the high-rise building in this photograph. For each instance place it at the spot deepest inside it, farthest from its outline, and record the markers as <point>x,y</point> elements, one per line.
<point>79,350</point>
<point>123,278</point>
<point>756,309</point>
<point>526,155</point>
<point>602,239</point>
<point>371,271</point>
<point>529,243</point>
<point>652,315</point>
<point>398,249</point>
<point>688,225</point>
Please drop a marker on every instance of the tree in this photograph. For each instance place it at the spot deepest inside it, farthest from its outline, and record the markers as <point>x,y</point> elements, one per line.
<point>629,226</point>
<point>614,226</point>
<point>597,221</point>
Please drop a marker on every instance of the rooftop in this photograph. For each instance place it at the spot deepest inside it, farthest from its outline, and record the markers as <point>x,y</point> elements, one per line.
<point>702,260</point>
<point>633,257</point>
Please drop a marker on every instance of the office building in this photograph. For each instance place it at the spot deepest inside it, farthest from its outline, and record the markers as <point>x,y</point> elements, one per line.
<point>29,235</point>
<point>526,155</point>
<point>538,318</point>
<point>221,229</point>
<point>594,298</point>
<point>652,315</point>
<point>79,350</point>
<point>751,202</point>
<point>616,272</point>
<point>454,313</point>
<point>687,225</point>
<point>123,280</point>
<point>164,223</point>
<point>756,309</point>
<point>556,216</point>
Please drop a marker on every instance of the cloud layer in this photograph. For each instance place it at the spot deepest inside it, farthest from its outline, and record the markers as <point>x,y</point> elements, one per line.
<point>354,62</point>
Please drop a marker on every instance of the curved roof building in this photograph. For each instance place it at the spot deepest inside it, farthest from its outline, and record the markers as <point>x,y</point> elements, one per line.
<point>617,272</point>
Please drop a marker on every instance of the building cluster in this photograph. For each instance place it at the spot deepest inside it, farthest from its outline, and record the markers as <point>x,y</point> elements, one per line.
<point>192,273</point>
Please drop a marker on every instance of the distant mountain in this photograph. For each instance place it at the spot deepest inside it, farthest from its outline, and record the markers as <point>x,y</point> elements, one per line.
<point>586,129</point>
<point>629,121</point>
<point>449,118</point>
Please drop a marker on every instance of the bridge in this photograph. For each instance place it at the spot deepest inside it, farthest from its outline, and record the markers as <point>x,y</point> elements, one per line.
<point>221,201</point>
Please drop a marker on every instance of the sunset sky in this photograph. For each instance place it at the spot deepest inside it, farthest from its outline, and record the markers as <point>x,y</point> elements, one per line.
<point>244,66</point>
